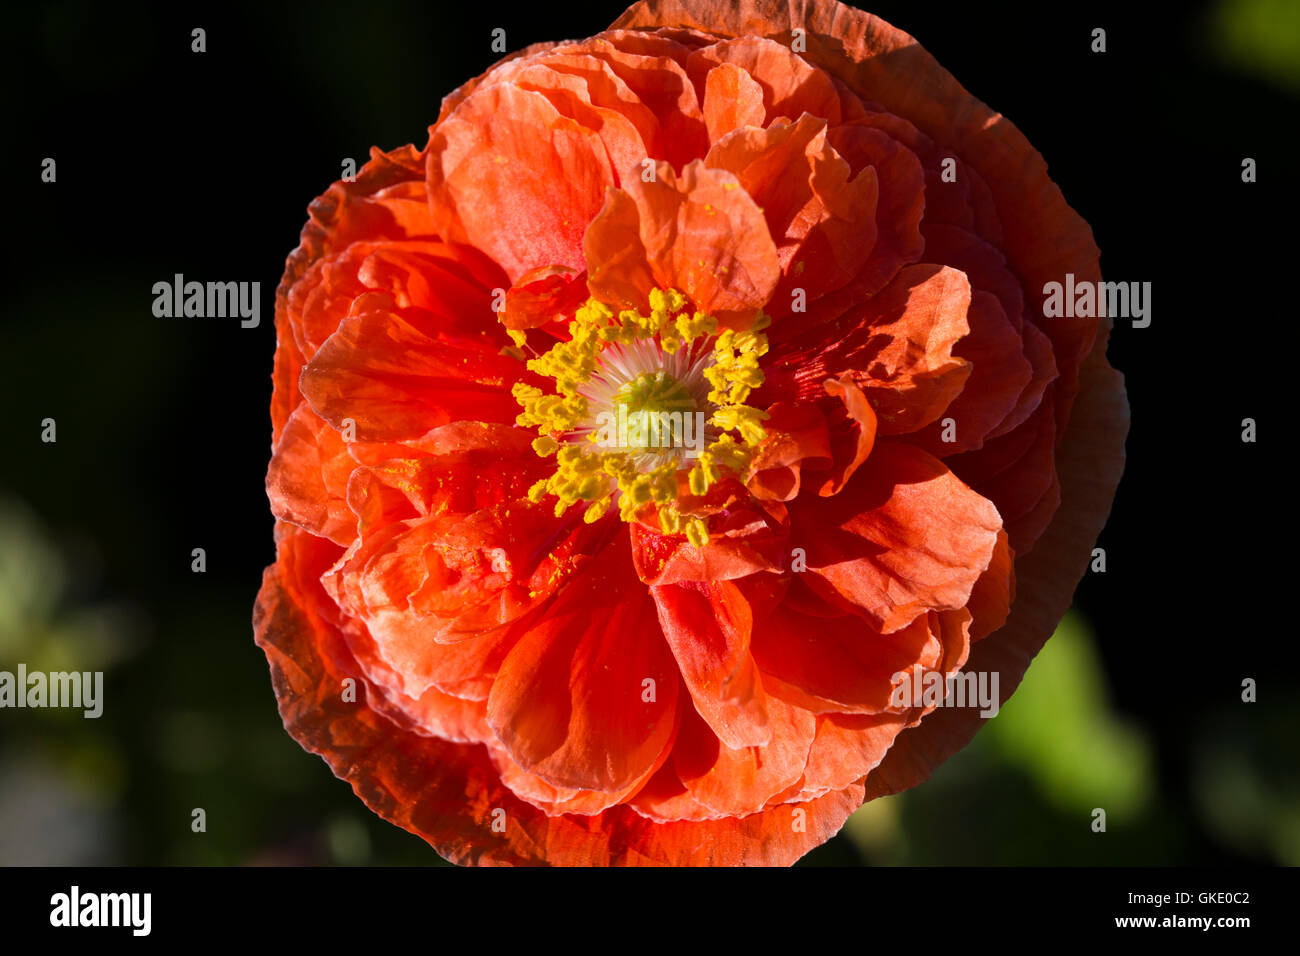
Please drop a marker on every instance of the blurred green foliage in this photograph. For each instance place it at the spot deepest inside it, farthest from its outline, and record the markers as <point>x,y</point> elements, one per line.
<point>1259,38</point>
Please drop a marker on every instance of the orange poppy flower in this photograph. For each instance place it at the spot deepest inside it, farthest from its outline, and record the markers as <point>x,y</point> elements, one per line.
<point>635,434</point>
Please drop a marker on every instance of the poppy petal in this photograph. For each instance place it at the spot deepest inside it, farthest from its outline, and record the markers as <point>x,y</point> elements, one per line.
<point>571,702</point>
<point>897,346</point>
<point>394,375</point>
<point>523,199</point>
<point>904,536</point>
<point>307,481</point>
<point>708,627</point>
<point>702,234</point>
<point>732,781</point>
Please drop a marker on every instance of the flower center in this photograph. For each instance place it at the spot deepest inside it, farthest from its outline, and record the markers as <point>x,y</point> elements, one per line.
<point>660,412</point>
<point>640,402</point>
<point>652,392</point>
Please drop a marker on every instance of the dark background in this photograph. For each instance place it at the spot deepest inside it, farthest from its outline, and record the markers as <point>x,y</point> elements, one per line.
<point>170,161</point>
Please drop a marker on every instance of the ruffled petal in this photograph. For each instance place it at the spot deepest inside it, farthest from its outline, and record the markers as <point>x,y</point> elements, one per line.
<point>999,375</point>
<point>307,481</point>
<point>903,198</point>
<point>743,541</point>
<point>543,296</point>
<point>586,699</point>
<point>708,627</point>
<point>790,86</point>
<point>994,593</point>
<point>451,795</point>
<point>846,748</point>
<point>852,432</point>
<point>654,69</point>
<point>1017,472</point>
<point>733,781</point>
<point>701,234</point>
<point>522,196</point>
<point>393,374</point>
<point>450,550</point>
<point>896,346</point>
<point>831,662</point>
<point>823,221</point>
<point>797,435</point>
<point>387,200</point>
<point>732,99</point>
<point>556,800</point>
<point>905,536</point>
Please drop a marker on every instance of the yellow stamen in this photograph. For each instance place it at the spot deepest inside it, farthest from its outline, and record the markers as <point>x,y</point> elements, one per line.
<point>596,476</point>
